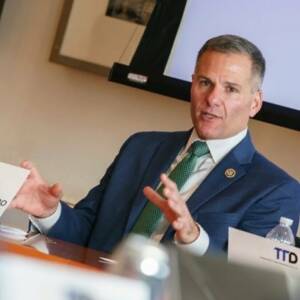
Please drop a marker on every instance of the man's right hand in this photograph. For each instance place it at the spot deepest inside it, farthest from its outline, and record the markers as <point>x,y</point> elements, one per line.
<point>36,197</point>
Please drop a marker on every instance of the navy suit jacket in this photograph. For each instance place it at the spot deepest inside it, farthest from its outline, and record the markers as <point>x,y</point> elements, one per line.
<point>253,200</point>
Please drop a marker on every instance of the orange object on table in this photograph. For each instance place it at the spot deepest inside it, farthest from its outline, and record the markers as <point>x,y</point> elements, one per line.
<point>60,252</point>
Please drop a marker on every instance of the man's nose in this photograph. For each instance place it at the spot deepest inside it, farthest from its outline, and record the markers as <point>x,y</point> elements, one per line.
<point>214,96</point>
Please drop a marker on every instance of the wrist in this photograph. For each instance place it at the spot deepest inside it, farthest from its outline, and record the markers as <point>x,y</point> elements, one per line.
<point>46,223</point>
<point>46,214</point>
<point>190,237</point>
<point>199,247</point>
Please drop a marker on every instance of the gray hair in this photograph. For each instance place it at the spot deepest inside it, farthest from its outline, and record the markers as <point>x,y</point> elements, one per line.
<point>235,44</point>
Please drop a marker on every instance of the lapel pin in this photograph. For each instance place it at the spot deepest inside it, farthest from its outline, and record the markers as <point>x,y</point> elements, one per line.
<point>230,173</point>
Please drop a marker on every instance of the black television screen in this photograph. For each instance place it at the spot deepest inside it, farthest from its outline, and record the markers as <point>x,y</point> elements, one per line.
<point>167,52</point>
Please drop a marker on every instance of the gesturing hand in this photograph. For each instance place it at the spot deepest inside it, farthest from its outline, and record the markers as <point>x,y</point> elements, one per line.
<point>175,210</point>
<point>36,197</point>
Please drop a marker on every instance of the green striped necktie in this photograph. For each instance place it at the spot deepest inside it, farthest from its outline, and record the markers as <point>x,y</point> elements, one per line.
<point>151,215</point>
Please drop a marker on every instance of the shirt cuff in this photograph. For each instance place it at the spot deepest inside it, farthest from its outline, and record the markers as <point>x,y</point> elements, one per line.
<point>199,246</point>
<point>45,224</point>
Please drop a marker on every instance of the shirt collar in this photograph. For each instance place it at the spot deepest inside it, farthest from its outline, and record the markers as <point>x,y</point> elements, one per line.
<point>220,147</point>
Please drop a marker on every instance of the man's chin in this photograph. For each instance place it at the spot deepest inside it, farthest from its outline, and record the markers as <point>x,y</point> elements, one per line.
<point>208,134</point>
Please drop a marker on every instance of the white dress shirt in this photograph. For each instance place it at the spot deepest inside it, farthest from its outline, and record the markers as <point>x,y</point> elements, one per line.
<point>205,164</point>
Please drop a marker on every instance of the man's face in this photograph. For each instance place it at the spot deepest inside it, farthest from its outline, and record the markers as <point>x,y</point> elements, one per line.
<point>224,94</point>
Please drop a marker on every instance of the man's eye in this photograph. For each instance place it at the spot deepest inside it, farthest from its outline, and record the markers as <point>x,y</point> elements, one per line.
<point>203,82</point>
<point>231,89</point>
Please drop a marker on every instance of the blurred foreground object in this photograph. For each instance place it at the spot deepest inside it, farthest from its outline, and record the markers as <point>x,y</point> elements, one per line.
<point>29,279</point>
<point>174,274</point>
<point>213,278</point>
<point>144,259</point>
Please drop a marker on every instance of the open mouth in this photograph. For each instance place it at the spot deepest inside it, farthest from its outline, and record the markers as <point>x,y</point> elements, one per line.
<point>209,116</point>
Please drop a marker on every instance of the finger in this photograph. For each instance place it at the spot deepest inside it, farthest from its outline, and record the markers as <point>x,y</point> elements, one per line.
<point>168,193</point>
<point>56,190</point>
<point>153,196</point>
<point>177,208</point>
<point>173,195</point>
<point>160,202</point>
<point>33,170</point>
<point>12,204</point>
<point>167,182</point>
<point>15,204</point>
<point>26,164</point>
<point>177,224</point>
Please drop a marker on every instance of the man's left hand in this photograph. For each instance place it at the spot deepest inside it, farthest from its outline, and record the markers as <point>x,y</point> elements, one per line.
<point>175,210</point>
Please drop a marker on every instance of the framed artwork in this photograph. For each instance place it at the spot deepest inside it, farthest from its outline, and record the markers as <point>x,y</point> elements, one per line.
<point>93,34</point>
<point>1,7</point>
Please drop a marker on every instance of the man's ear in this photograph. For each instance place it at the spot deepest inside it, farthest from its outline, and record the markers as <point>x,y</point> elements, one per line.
<point>256,103</point>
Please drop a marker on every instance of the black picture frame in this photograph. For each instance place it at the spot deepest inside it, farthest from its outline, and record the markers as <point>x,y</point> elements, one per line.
<point>1,6</point>
<point>80,37</point>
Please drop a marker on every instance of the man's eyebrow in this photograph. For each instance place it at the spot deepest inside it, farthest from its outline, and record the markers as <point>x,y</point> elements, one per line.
<point>199,76</point>
<point>232,84</point>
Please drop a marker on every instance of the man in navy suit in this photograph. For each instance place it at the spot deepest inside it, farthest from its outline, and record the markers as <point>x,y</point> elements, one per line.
<point>230,185</point>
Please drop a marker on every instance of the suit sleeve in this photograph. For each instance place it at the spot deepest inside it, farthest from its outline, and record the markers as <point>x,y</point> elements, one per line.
<point>76,224</point>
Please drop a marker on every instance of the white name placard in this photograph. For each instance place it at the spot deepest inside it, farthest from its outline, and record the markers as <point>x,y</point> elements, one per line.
<point>257,251</point>
<point>11,180</point>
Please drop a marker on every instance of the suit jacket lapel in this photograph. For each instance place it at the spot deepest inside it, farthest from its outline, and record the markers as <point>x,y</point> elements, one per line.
<point>229,170</point>
<point>216,182</point>
<point>238,160</point>
<point>161,161</point>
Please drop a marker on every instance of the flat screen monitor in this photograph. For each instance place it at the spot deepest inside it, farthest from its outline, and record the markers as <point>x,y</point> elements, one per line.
<point>167,52</point>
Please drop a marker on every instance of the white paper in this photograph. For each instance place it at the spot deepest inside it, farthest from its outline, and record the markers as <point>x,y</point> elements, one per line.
<point>12,233</point>
<point>11,180</point>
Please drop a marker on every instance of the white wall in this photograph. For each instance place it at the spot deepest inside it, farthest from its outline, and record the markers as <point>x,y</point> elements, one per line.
<point>71,123</point>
